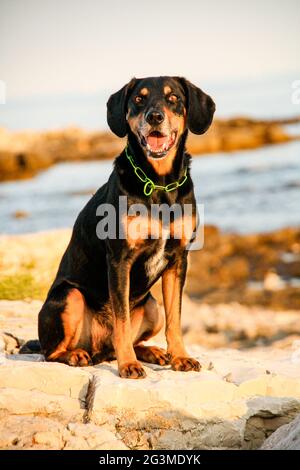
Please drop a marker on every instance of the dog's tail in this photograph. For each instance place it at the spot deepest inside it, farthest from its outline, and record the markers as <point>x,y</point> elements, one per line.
<point>33,346</point>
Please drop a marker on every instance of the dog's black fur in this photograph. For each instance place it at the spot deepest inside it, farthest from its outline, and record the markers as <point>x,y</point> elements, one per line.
<point>87,316</point>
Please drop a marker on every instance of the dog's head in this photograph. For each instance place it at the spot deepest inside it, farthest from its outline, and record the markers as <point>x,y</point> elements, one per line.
<point>158,110</point>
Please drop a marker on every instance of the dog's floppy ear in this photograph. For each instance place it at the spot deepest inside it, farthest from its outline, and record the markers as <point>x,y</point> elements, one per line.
<point>200,108</point>
<point>116,109</point>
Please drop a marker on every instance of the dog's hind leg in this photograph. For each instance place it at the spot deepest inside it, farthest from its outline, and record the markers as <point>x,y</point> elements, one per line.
<point>61,323</point>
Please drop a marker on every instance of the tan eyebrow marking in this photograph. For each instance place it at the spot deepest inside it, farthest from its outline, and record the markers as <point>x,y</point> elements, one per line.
<point>167,90</point>
<point>144,91</point>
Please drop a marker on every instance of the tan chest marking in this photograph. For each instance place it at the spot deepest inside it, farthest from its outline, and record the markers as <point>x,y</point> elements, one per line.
<point>137,229</point>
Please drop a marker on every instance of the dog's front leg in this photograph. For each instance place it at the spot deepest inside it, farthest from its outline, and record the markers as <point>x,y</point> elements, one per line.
<point>172,285</point>
<point>118,280</point>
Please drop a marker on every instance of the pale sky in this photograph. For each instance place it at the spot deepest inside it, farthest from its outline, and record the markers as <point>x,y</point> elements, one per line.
<point>59,46</point>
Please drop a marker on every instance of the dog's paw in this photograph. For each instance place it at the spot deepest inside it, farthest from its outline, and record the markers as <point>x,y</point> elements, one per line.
<point>79,358</point>
<point>132,370</point>
<point>152,354</point>
<point>158,356</point>
<point>185,364</point>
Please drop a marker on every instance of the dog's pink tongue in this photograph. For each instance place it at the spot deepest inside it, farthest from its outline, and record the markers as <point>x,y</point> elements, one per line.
<point>156,142</point>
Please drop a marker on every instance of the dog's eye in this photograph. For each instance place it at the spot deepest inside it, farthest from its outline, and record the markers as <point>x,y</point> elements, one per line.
<point>173,98</point>
<point>138,99</point>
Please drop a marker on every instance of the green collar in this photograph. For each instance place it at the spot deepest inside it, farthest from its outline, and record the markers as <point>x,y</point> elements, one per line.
<point>149,185</point>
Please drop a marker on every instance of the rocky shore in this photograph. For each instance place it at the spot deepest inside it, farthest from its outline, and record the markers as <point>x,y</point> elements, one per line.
<point>236,402</point>
<point>23,154</point>
<point>258,269</point>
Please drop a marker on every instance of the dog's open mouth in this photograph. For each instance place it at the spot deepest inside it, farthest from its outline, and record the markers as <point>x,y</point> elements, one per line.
<point>157,143</point>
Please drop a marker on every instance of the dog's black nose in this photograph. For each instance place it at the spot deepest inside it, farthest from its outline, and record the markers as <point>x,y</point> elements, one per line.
<point>154,116</point>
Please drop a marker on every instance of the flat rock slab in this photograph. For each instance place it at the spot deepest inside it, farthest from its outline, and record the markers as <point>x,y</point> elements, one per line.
<point>35,386</point>
<point>236,401</point>
<point>52,378</point>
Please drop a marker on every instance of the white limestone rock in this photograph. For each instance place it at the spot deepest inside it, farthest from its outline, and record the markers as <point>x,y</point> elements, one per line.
<point>286,437</point>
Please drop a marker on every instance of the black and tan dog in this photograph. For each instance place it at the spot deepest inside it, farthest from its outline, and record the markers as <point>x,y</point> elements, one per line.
<point>100,306</point>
